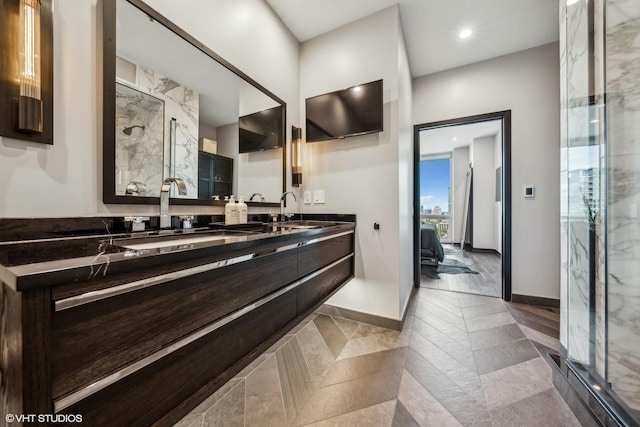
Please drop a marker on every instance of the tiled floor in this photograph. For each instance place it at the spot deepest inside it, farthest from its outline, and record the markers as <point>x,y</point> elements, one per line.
<point>461,359</point>
<point>488,282</point>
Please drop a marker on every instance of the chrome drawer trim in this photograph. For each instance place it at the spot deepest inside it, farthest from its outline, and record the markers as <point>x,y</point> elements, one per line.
<point>89,297</point>
<point>83,393</point>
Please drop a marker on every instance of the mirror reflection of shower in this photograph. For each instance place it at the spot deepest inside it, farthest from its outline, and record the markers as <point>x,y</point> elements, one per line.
<point>128,130</point>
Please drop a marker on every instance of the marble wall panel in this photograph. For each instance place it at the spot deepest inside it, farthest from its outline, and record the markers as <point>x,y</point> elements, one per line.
<point>600,159</point>
<point>578,298</point>
<point>182,104</point>
<point>564,184</point>
<point>599,128</point>
<point>579,181</point>
<point>623,226</point>
<point>139,155</point>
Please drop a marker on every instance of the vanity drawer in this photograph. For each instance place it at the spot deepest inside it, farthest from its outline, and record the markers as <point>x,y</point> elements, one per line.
<point>143,398</point>
<point>322,285</point>
<point>314,256</point>
<point>92,340</point>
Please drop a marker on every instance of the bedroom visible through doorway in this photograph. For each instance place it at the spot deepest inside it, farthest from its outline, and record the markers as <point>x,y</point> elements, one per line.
<point>461,203</point>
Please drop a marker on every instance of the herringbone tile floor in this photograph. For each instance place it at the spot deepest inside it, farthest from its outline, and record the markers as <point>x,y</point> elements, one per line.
<point>460,359</point>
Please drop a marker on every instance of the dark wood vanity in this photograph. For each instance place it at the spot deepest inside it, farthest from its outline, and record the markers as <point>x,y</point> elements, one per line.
<point>141,337</point>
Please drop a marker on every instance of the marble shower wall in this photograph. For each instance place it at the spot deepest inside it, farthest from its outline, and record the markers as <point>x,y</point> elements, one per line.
<point>623,226</point>
<point>139,155</point>
<point>600,165</point>
<point>182,104</point>
<point>580,178</point>
<point>564,183</point>
<point>599,127</point>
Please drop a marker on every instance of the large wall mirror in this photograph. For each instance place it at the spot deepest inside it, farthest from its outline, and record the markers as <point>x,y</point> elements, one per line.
<point>174,108</point>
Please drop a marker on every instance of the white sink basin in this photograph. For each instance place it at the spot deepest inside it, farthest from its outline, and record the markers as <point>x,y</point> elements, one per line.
<point>177,242</point>
<point>173,240</point>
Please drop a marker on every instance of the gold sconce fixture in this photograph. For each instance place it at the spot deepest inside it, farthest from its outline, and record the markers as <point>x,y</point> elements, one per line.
<point>296,156</point>
<point>26,84</point>
<point>30,99</point>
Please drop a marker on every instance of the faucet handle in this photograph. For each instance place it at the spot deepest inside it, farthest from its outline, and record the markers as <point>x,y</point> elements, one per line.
<point>186,221</point>
<point>137,222</point>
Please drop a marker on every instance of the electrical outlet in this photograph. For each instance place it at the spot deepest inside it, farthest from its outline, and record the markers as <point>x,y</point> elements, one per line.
<point>307,197</point>
<point>318,196</point>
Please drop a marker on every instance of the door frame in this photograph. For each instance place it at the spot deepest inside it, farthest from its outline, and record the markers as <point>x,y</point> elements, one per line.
<point>505,117</point>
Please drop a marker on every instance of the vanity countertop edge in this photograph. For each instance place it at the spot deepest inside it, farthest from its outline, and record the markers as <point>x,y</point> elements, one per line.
<point>27,276</point>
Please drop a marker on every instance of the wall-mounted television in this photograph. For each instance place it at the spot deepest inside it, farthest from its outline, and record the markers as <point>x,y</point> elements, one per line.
<point>262,130</point>
<point>349,112</point>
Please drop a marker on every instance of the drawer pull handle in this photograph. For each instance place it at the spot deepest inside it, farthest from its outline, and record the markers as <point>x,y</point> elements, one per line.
<point>83,393</point>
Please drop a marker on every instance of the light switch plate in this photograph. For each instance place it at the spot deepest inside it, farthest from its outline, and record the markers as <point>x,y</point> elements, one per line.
<point>529,192</point>
<point>307,197</point>
<point>318,196</point>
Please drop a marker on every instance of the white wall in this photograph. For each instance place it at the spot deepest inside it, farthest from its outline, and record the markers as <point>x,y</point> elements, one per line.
<point>460,166</point>
<point>405,171</point>
<point>66,179</point>
<point>484,177</point>
<point>362,175</point>
<point>527,83</point>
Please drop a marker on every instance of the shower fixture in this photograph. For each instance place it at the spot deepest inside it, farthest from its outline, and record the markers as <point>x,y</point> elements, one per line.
<point>128,130</point>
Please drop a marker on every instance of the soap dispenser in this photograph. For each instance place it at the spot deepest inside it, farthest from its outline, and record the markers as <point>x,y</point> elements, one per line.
<point>242,211</point>
<point>231,212</point>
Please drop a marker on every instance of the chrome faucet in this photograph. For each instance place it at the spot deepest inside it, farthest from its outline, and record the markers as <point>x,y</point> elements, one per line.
<point>135,188</point>
<point>165,218</point>
<point>282,200</point>
<point>257,194</point>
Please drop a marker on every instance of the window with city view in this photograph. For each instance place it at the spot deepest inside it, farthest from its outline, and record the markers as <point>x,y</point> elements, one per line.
<point>435,195</point>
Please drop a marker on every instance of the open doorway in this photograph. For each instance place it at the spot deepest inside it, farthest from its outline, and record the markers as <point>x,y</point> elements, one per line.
<point>462,205</point>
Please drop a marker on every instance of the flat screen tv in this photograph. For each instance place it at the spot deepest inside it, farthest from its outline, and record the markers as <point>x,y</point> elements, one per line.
<point>262,130</point>
<point>348,112</point>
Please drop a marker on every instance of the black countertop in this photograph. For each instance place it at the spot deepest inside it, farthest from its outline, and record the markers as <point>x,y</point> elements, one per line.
<point>65,253</point>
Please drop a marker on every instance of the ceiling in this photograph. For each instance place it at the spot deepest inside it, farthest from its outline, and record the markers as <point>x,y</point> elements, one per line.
<point>445,139</point>
<point>431,27</point>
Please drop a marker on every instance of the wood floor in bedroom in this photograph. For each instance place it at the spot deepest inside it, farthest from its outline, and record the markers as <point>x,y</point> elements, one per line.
<point>488,282</point>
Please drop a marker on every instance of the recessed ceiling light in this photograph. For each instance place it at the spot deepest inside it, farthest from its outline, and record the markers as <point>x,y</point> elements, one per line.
<point>570,2</point>
<point>454,139</point>
<point>465,33</point>
<point>357,89</point>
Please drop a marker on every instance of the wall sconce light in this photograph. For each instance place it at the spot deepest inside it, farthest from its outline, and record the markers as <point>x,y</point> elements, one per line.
<point>296,156</point>
<point>30,99</point>
<point>26,83</point>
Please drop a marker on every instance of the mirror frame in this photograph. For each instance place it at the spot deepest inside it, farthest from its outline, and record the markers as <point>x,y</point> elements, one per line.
<point>109,195</point>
